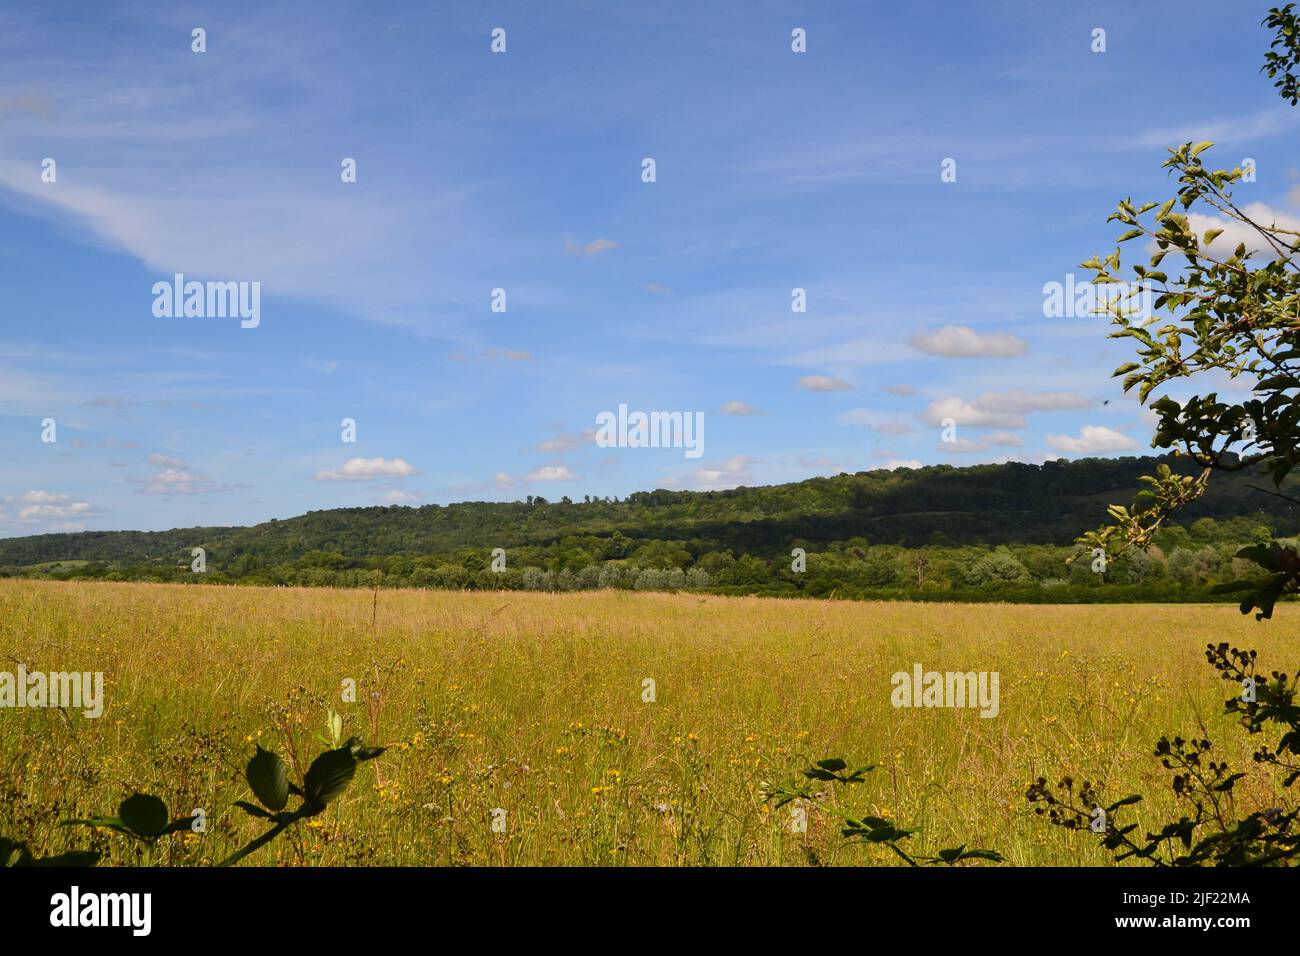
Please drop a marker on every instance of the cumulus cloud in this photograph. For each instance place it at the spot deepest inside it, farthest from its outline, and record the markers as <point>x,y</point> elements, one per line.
<point>717,475</point>
<point>1236,233</point>
<point>399,497</point>
<point>823,383</point>
<point>48,506</point>
<point>1093,439</point>
<point>1002,409</point>
<point>368,469</point>
<point>178,481</point>
<point>174,477</point>
<point>895,463</point>
<point>551,473</point>
<point>961,341</point>
<point>969,413</point>
<point>740,408</point>
<point>906,391</point>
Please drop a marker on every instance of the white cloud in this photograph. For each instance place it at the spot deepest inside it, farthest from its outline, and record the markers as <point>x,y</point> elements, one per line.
<point>895,463</point>
<point>1093,439</point>
<point>175,477</point>
<point>718,475</point>
<point>559,443</point>
<point>1235,233</point>
<point>906,391</point>
<point>1021,401</point>
<point>1002,409</point>
<point>740,408</point>
<point>823,383</point>
<point>178,481</point>
<point>362,249</point>
<point>966,413</point>
<point>732,471</point>
<point>48,506</point>
<point>367,469</point>
<point>593,248</point>
<point>399,497</point>
<point>551,473</point>
<point>566,442</point>
<point>961,341</point>
<point>877,422</point>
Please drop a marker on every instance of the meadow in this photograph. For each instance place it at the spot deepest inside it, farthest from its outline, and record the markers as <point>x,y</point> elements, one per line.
<point>536,704</point>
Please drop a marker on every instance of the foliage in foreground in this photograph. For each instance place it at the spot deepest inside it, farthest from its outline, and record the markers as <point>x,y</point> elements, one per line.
<point>1229,312</point>
<point>145,818</point>
<point>1228,315</point>
<point>861,828</point>
<point>1213,830</point>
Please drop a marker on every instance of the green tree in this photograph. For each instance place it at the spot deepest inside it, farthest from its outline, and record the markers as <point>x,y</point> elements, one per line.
<point>1218,310</point>
<point>999,567</point>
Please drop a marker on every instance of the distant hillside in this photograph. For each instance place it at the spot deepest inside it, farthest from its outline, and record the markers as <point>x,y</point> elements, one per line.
<point>1012,504</point>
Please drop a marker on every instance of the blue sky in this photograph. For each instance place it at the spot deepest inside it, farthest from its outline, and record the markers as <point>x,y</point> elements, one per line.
<point>522,171</point>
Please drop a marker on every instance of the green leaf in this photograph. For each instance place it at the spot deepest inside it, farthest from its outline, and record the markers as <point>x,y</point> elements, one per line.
<point>361,753</point>
<point>329,775</point>
<point>253,810</point>
<point>1131,798</point>
<point>833,764</point>
<point>269,779</point>
<point>991,855</point>
<point>108,823</point>
<point>144,815</point>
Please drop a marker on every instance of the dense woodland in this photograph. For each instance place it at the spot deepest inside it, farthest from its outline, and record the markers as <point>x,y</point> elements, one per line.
<point>988,532</point>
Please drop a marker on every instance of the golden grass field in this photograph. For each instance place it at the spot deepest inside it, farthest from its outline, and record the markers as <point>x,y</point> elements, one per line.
<point>532,703</point>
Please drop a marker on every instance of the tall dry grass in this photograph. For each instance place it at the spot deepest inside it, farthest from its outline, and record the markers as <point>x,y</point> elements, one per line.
<point>533,703</point>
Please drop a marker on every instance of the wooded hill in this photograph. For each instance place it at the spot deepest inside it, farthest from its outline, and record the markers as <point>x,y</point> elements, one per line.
<point>938,505</point>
